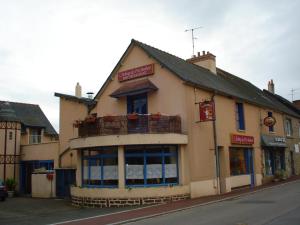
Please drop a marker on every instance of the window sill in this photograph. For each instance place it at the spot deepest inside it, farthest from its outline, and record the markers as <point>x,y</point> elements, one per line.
<point>241,131</point>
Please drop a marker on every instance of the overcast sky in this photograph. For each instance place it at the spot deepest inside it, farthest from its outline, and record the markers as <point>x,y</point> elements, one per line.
<point>48,46</point>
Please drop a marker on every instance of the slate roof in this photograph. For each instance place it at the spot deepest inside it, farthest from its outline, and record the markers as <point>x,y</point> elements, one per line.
<point>87,101</point>
<point>284,103</point>
<point>224,83</point>
<point>31,116</point>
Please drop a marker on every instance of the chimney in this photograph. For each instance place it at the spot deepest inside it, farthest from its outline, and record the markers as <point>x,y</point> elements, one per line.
<point>271,87</point>
<point>297,103</point>
<point>78,90</point>
<point>90,95</point>
<point>206,60</point>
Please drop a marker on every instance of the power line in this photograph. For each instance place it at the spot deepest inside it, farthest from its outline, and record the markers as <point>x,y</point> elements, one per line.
<point>193,38</point>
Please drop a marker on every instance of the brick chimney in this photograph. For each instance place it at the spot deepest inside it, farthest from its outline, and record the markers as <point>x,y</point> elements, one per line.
<point>206,60</point>
<point>78,90</point>
<point>297,103</point>
<point>271,87</point>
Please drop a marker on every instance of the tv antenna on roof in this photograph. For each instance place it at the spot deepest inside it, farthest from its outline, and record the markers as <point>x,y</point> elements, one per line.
<point>193,38</point>
<point>293,93</point>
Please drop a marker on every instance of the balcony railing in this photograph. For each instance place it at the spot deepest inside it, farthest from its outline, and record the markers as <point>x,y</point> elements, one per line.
<point>129,124</point>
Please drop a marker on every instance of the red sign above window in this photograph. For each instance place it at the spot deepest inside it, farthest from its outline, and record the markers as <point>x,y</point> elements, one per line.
<point>137,72</point>
<point>207,111</point>
<point>242,139</point>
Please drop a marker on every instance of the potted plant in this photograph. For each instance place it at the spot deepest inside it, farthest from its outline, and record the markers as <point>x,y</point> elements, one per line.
<point>280,175</point>
<point>108,118</point>
<point>132,116</point>
<point>77,123</point>
<point>155,116</point>
<point>10,184</point>
<point>90,119</point>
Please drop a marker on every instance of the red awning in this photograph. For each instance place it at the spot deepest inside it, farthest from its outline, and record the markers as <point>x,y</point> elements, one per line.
<point>134,88</point>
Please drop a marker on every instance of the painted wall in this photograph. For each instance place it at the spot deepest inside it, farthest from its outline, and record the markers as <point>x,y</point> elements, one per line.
<point>41,186</point>
<point>293,140</point>
<point>12,147</point>
<point>173,97</point>
<point>160,101</point>
<point>45,151</point>
<point>70,111</point>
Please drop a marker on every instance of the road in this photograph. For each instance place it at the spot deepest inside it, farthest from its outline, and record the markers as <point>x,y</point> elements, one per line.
<point>277,206</point>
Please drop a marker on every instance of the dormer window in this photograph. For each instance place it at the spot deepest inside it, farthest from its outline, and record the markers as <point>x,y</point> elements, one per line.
<point>35,136</point>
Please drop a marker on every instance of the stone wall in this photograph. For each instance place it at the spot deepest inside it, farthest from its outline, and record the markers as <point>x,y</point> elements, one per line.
<point>121,202</point>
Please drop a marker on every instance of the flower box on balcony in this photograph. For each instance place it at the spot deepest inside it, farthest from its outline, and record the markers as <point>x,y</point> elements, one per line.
<point>90,119</point>
<point>77,123</point>
<point>133,116</point>
<point>108,119</point>
<point>155,116</point>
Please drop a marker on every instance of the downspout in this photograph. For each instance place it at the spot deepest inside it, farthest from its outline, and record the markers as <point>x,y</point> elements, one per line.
<point>216,148</point>
<point>15,152</point>
<point>5,146</point>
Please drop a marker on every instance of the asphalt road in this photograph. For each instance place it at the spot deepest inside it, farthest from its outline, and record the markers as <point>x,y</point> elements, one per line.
<point>277,206</point>
<point>34,211</point>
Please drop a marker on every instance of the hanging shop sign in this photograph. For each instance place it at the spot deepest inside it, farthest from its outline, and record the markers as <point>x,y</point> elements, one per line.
<point>207,111</point>
<point>273,141</point>
<point>269,121</point>
<point>242,139</point>
<point>137,72</point>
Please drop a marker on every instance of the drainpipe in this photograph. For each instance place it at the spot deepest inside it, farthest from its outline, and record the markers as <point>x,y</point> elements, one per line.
<point>5,146</point>
<point>216,149</point>
<point>15,151</point>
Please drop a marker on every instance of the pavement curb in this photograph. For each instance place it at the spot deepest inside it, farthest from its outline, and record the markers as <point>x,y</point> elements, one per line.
<point>202,204</point>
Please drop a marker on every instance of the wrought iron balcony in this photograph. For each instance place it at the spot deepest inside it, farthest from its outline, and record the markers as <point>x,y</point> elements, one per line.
<point>129,124</point>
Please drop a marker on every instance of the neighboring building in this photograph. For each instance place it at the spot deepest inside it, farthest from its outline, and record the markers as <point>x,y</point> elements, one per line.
<point>291,121</point>
<point>28,142</point>
<point>297,104</point>
<point>141,141</point>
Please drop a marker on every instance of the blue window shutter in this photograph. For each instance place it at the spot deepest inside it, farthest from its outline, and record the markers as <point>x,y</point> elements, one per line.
<point>241,116</point>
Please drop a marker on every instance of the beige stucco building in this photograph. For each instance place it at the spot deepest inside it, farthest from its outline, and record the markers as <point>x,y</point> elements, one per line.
<point>141,140</point>
<point>28,142</point>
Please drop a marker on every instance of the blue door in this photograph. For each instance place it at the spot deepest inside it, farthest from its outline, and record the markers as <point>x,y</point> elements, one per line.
<point>64,179</point>
<point>250,165</point>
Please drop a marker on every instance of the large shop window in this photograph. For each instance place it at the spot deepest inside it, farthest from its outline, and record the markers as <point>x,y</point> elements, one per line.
<point>151,165</point>
<point>240,161</point>
<point>137,104</point>
<point>274,160</point>
<point>100,167</point>
<point>240,119</point>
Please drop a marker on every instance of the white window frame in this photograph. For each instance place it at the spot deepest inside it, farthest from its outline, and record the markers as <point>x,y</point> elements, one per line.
<point>288,127</point>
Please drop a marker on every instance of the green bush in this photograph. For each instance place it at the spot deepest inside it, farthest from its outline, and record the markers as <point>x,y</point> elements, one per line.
<point>280,174</point>
<point>11,184</point>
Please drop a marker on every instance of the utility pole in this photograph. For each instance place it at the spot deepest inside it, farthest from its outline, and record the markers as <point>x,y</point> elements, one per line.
<point>193,38</point>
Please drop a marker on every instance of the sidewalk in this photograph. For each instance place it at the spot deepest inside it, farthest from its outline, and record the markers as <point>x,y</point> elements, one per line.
<point>144,212</point>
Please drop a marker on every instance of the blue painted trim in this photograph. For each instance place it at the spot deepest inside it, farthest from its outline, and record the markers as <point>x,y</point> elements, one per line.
<point>145,154</point>
<point>99,186</point>
<point>151,185</point>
